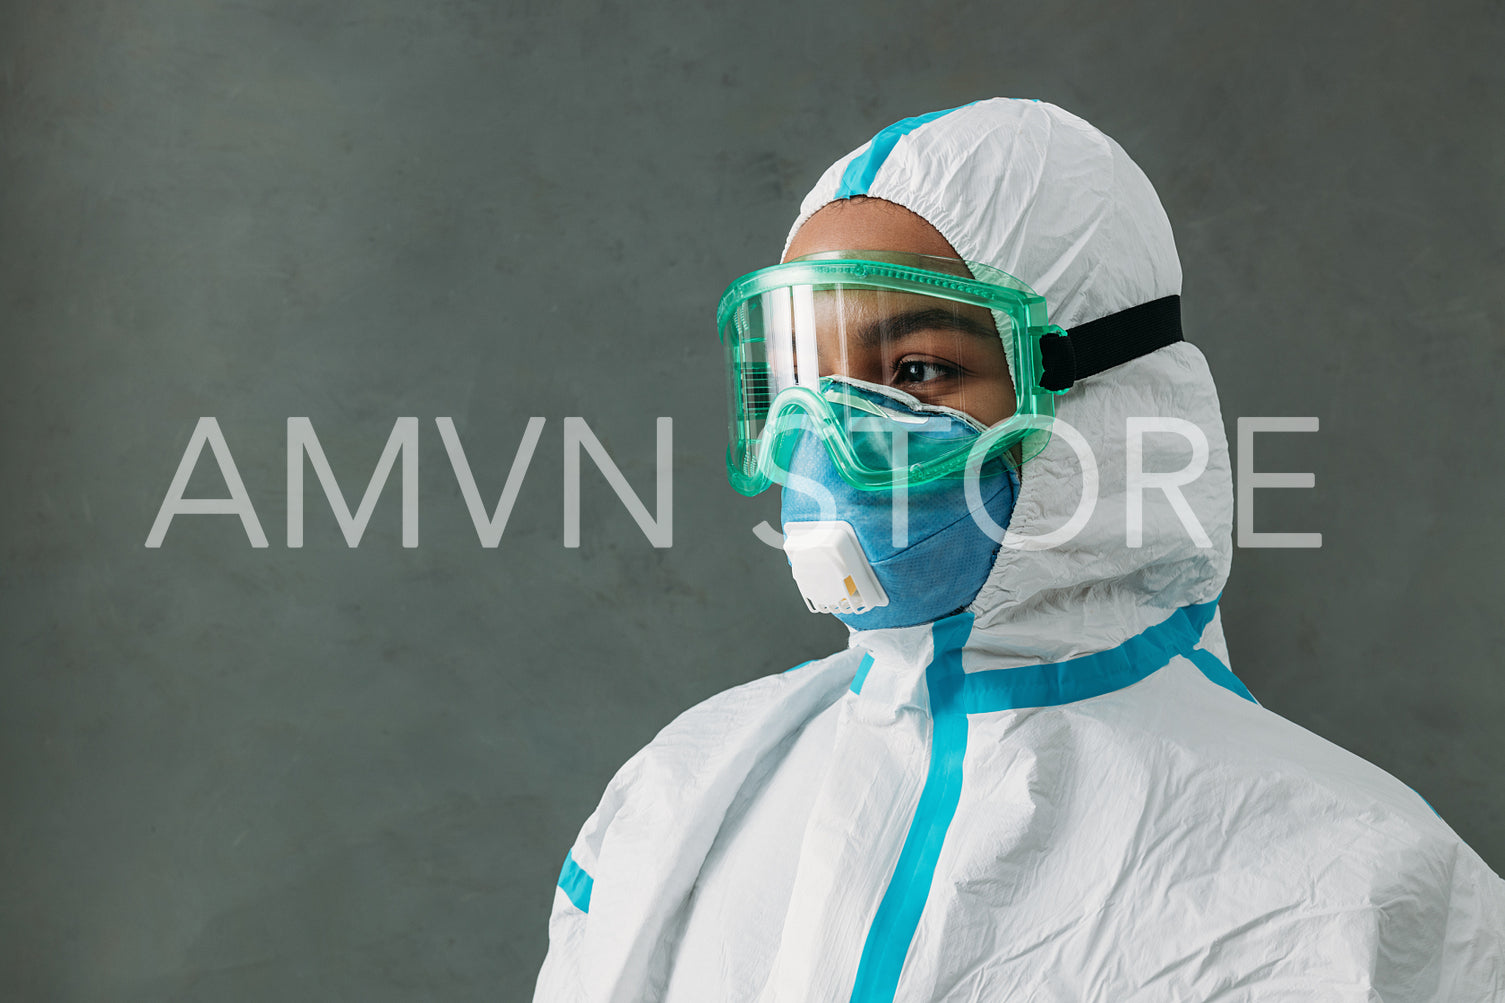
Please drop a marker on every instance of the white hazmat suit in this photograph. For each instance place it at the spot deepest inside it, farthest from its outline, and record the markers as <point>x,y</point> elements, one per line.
<point>1062,793</point>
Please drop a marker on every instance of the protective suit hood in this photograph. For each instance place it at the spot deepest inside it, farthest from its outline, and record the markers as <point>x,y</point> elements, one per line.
<point>1037,192</point>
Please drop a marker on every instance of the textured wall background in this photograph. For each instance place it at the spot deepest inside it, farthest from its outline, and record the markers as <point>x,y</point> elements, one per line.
<point>330,773</point>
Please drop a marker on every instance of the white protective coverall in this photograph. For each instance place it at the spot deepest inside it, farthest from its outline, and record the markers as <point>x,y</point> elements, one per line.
<point>1062,793</point>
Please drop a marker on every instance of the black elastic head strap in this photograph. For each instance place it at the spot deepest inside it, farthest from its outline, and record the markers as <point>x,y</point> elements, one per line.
<point>1090,348</point>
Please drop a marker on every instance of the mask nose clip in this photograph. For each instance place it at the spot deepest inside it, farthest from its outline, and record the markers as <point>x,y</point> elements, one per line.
<point>830,568</point>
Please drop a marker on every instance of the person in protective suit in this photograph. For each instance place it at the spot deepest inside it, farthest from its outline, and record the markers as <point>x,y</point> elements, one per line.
<point>1032,775</point>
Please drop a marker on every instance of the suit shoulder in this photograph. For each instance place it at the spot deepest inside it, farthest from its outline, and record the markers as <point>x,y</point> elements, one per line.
<point>720,739</point>
<point>1276,768</point>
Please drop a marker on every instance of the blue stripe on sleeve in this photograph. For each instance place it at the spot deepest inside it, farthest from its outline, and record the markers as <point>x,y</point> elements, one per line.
<point>576,884</point>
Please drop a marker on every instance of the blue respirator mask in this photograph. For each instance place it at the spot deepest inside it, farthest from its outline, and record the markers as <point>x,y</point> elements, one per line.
<point>899,557</point>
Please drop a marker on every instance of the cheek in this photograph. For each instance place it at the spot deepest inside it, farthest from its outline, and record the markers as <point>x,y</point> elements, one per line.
<point>988,394</point>
<point>990,401</point>
<point>997,405</point>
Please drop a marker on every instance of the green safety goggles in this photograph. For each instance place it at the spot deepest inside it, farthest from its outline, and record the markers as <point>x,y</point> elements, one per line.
<point>908,367</point>
<point>886,357</point>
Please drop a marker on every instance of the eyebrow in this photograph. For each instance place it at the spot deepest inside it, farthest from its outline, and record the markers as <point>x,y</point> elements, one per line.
<point>901,325</point>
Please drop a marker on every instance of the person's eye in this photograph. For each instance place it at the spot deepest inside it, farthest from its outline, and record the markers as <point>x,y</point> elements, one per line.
<point>915,372</point>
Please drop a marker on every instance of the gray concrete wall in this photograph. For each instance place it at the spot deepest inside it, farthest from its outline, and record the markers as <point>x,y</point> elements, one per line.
<point>328,773</point>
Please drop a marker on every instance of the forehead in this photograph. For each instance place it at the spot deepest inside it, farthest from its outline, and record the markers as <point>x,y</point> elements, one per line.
<point>843,309</point>
<point>868,224</point>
